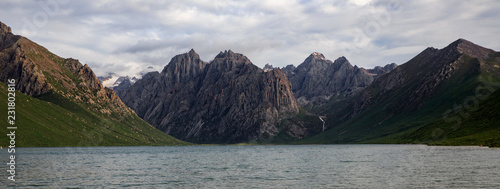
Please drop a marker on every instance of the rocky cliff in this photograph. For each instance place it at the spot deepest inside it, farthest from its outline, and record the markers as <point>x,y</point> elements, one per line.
<point>228,100</point>
<point>14,64</point>
<point>317,79</point>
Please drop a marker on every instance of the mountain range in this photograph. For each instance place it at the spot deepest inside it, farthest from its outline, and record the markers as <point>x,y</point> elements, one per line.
<point>445,96</point>
<point>340,103</point>
<point>112,80</point>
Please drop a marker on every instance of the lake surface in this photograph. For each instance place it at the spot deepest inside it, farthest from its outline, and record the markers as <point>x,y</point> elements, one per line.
<point>274,166</point>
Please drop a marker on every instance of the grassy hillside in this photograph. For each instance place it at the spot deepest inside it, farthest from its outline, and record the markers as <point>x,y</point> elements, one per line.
<point>464,127</point>
<point>425,124</point>
<point>61,122</point>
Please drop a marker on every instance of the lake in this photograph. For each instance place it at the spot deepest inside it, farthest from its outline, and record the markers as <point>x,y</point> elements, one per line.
<point>266,166</point>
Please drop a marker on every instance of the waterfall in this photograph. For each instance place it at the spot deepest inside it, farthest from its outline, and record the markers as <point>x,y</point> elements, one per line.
<point>323,123</point>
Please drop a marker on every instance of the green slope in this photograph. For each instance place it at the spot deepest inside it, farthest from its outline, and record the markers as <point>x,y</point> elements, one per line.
<point>425,124</point>
<point>61,122</point>
<point>464,127</point>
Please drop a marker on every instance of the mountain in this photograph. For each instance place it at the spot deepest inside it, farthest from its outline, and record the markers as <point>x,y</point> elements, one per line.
<point>60,102</point>
<point>112,80</point>
<point>109,79</point>
<point>125,79</point>
<point>427,89</point>
<point>379,70</point>
<point>122,84</point>
<point>228,100</point>
<point>318,79</point>
<point>268,67</point>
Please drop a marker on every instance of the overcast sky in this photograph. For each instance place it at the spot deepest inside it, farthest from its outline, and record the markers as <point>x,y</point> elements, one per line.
<point>128,36</point>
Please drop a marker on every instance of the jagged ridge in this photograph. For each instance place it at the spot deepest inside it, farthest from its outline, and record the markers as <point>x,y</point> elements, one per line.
<point>317,79</point>
<point>229,100</point>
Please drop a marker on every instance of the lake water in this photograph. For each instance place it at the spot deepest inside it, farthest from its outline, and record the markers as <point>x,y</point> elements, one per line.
<point>273,166</point>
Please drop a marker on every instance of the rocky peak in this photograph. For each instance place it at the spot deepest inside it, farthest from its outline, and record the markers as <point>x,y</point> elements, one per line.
<point>317,79</point>
<point>317,55</point>
<point>466,47</point>
<point>341,59</point>
<point>342,62</point>
<point>192,53</point>
<point>183,67</point>
<point>190,58</point>
<point>379,70</point>
<point>315,61</point>
<point>4,28</point>
<point>390,66</point>
<point>226,53</point>
<point>316,58</point>
<point>228,60</point>
<point>268,67</point>
<point>289,70</point>
<point>6,36</point>
<point>194,56</point>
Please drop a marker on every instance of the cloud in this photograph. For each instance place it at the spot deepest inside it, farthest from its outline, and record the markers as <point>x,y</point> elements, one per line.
<point>124,36</point>
<point>408,50</point>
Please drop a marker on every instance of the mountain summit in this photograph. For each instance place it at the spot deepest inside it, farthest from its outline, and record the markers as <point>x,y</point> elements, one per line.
<point>4,29</point>
<point>316,55</point>
<point>466,47</point>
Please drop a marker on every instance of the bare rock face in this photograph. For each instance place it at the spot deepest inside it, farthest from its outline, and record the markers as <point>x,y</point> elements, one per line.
<point>14,64</point>
<point>229,100</point>
<point>123,87</point>
<point>317,79</point>
<point>38,71</point>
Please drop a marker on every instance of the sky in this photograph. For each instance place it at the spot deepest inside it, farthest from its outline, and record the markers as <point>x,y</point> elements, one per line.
<point>127,36</point>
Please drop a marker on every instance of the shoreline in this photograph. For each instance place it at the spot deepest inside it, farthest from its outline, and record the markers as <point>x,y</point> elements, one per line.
<point>250,144</point>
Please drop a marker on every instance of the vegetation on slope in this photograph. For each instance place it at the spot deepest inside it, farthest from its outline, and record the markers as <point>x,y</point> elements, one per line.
<point>59,122</point>
<point>427,122</point>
